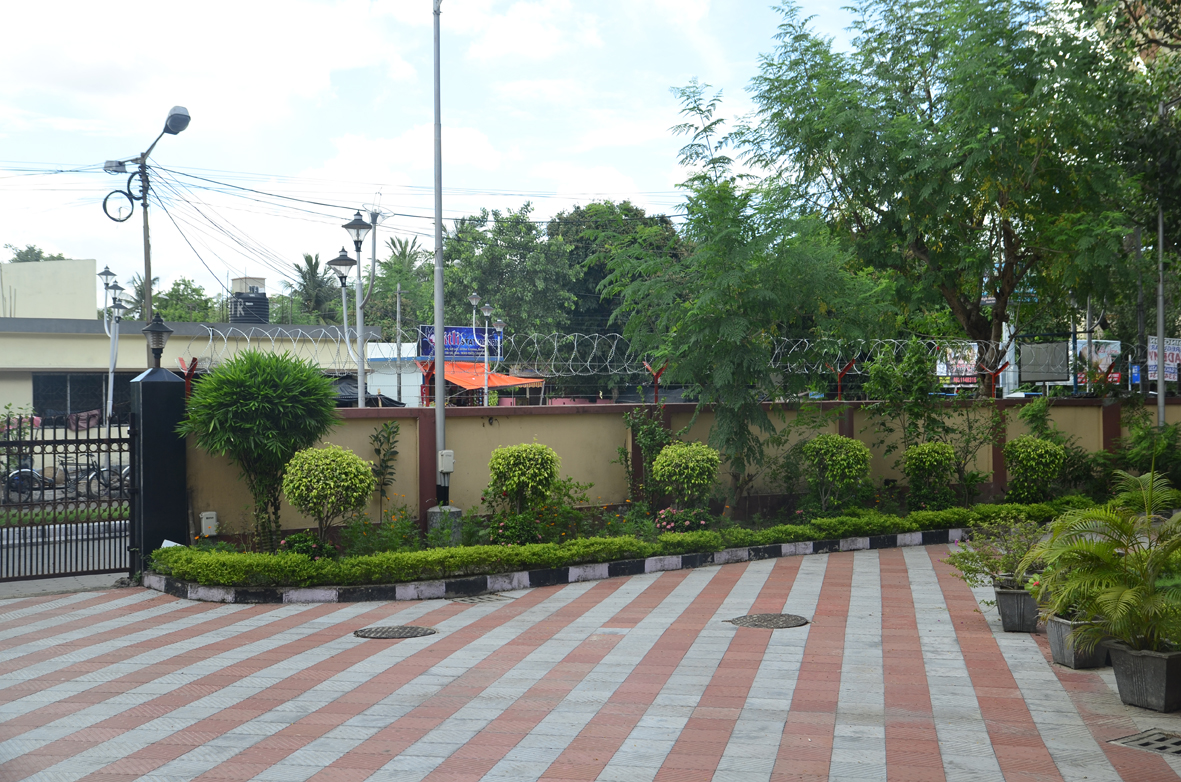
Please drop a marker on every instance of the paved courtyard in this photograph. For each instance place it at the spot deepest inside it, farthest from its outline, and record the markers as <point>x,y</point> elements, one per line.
<point>898,677</point>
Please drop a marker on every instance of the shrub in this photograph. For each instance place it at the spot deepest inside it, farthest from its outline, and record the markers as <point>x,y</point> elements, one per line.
<point>837,466</point>
<point>690,542</point>
<point>328,483</point>
<point>940,519</point>
<point>860,526</point>
<point>1012,513</point>
<point>397,531</point>
<point>259,409</point>
<point>522,477</point>
<point>929,468</point>
<point>998,551</point>
<point>384,441</point>
<point>648,433</point>
<point>687,471</point>
<point>1033,466</point>
<point>307,544</point>
<point>689,520</point>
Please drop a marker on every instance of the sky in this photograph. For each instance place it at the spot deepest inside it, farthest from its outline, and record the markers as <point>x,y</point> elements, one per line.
<point>553,102</point>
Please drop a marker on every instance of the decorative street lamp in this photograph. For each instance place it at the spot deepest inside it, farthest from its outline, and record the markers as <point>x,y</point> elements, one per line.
<point>341,265</point>
<point>487,310</point>
<point>157,334</point>
<point>358,229</point>
<point>106,275</point>
<point>120,204</point>
<point>118,309</point>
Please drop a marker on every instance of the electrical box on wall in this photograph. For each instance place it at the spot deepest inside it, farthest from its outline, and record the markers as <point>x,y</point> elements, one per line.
<point>446,461</point>
<point>209,522</point>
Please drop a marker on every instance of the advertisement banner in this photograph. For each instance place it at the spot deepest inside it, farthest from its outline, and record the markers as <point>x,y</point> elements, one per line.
<point>1103,361</point>
<point>956,364</point>
<point>1172,357</point>
<point>460,343</point>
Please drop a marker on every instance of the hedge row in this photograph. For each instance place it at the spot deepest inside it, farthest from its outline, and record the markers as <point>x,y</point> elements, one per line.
<point>34,517</point>
<point>214,568</point>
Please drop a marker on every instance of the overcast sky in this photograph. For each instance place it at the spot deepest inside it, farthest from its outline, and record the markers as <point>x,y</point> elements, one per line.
<point>555,102</point>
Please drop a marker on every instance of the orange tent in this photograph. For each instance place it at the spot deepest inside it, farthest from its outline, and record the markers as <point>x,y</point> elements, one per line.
<point>470,375</point>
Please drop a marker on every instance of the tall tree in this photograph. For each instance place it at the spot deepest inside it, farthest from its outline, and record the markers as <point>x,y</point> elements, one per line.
<point>965,146</point>
<point>407,266</point>
<point>315,291</point>
<point>31,254</point>
<point>589,231</point>
<point>185,301</point>
<point>750,279</point>
<point>135,296</point>
<point>506,258</point>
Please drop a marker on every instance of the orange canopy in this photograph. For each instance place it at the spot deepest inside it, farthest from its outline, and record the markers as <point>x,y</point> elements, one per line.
<point>470,375</point>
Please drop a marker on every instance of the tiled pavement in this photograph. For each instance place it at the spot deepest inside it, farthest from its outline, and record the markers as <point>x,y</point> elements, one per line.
<point>899,677</point>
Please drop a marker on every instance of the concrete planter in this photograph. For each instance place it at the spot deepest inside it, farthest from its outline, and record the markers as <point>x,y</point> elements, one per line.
<point>1150,680</point>
<point>1017,609</point>
<point>1062,649</point>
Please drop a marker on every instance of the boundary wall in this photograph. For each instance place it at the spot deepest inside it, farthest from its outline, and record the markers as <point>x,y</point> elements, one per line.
<point>587,439</point>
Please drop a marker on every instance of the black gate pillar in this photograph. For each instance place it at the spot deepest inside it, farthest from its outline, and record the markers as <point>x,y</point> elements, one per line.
<point>160,504</point>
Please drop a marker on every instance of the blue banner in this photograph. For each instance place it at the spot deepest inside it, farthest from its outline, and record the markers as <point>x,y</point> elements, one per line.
<point>462,343</point>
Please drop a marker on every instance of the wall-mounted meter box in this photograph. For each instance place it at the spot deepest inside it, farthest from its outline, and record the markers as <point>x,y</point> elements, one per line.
<point>209,522</point>
<point>446,462</point>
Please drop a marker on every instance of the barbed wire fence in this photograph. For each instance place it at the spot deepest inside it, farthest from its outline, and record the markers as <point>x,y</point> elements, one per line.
<point>603,356</point>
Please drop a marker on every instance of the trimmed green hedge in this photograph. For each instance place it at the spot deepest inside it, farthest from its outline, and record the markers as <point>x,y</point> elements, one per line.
<point>16,517</point>
<point>216,568</point>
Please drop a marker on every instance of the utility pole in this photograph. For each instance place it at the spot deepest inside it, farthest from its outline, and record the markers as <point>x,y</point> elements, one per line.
<point>398,340</point>
<point>1160,288</point>
<point>442,479</point>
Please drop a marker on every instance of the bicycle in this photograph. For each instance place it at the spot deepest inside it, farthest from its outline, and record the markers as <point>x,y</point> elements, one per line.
<point>90,481</point>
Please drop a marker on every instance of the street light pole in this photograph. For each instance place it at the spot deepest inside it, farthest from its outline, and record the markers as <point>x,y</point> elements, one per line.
<point>442,479</point>
<point>1160,288</point>
<point>358,228</point>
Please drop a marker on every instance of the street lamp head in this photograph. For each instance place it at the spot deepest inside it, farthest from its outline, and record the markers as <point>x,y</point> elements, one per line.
<point>178,120</point>
<point>474,299</point>
<point>157,334</point>
<point>499,326</point>
<point>106,274</point>
<point>358,229</point>
<point>119,307</point>
<point>487,310</point>
<point>115,289</point>
<point>342,265</point>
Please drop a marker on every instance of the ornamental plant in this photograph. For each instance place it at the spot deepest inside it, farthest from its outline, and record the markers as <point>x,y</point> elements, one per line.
<point>1033,466</point>
<point>1113,566</point>
<point>328,484</point>
<point>686,471</point>
<point>311,546</point>
<point>836,468</point>
<point>522,477</point>
<point>998,551</point>
<point>929,469</point>
<point>259,409</point>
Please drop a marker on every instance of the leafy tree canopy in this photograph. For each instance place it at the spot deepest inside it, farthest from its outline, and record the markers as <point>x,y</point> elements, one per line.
<point>185,301</point>
<point>31,254</point>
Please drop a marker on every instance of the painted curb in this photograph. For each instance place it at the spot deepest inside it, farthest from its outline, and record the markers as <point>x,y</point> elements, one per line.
<point>469,586</point>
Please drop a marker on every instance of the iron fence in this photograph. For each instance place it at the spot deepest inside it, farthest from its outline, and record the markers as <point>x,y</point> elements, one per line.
<point>65,496</point>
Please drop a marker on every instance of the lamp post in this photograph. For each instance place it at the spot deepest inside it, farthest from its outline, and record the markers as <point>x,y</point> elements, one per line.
<point>157,334</point>
<point>106,275</point>
<point>124,200</point>
<point>1165,106</point>
<point>358,228</point>
<point>499,326</point>
<point>442,475</point>
<point>341,265</point>
<point>118,308</point>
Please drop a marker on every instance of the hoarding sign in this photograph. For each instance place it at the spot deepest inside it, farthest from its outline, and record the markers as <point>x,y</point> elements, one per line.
<point>460,342</point>
<point>1172,357</point>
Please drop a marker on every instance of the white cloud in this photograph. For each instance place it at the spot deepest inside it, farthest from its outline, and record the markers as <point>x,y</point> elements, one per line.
<point>533,31</point>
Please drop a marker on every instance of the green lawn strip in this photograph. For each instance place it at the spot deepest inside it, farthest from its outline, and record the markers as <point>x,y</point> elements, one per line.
<point>216,568</point>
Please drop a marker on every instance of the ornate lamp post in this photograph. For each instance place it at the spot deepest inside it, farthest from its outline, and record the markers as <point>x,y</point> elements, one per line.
<point>157,334</point>
<point>358,228</point>
<point>341,265</point>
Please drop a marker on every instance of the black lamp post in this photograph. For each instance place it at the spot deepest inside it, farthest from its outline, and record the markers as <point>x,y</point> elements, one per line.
<point>358,229</point>
<point>157,334</point>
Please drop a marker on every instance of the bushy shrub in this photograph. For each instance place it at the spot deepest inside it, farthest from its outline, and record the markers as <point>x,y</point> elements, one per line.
<point>521,477</point>
<point>308,545</point>
<point>688,520</point>
<point>690,542</point>
<point>940,519</point>
<point>327,484</point>
<point>1033,466</point>
<point>929,468</point>
<point>860,526</point>
<point>397,531</point>
<point>686,471</point>
<point>259,409</point>
<point>1038,513</point>
<point>837,467</point>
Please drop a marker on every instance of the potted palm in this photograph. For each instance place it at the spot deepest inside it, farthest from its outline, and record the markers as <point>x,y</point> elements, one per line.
<point>1115,569</point>
<point>1061,622</point>
<point>997,553</point>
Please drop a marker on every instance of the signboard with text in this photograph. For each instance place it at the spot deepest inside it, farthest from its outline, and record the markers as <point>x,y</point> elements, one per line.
<point>461,343</point>
<point>1172,357</point>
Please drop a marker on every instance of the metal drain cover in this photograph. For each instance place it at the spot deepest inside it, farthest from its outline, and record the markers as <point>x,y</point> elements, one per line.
<point>490,598</point>
<point>769,621</point>
<point>1154,741</point>
<point>395,631</point>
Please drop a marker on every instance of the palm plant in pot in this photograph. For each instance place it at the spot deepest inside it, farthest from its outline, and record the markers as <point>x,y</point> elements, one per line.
<point>1114,568</point>
<point>997,553</point>
<point>1061,620</point>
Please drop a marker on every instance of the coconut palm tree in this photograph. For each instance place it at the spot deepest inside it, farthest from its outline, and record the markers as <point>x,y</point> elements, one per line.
<point>314,290</point>
<point>135,299</point>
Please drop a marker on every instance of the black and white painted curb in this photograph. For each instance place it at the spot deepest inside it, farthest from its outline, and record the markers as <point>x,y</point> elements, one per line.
<point>467,586</point>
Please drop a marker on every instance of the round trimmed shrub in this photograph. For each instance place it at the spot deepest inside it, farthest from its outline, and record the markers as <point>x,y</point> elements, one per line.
<point>687,471</point>
<point>837,466</point>
<point>328,483</point>
<point>521,476</point>
<point>929,469</point>
<point>1033,464</point>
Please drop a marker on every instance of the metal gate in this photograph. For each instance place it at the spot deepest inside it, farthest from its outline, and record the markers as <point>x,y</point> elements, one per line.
<point>65,499</point>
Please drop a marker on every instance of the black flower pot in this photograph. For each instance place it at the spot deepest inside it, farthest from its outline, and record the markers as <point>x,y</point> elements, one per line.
<point>1150,680</point>
<point>1062,648</point>
<point>1018,610</point>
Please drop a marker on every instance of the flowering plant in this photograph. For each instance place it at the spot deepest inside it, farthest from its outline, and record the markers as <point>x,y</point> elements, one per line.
<point>308,544</point>
<point>682,520</point>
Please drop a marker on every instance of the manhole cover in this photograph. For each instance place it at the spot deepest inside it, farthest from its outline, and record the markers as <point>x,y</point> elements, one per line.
<point>395,631</point>
<point>1154,741</point>
<point>493,598</point>
<point>769,621</point>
